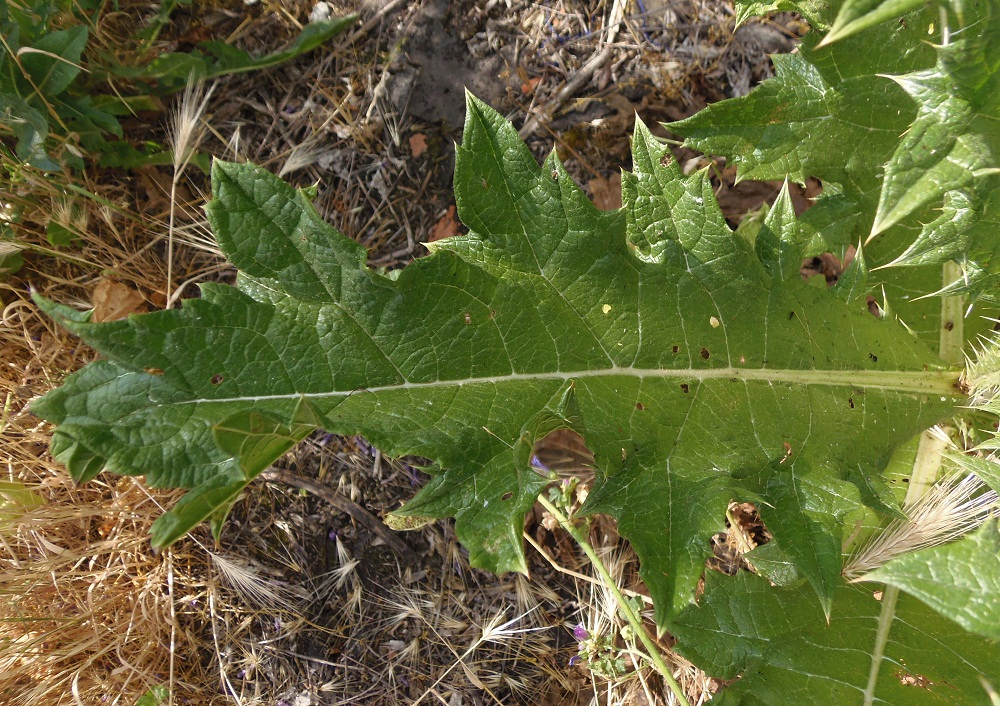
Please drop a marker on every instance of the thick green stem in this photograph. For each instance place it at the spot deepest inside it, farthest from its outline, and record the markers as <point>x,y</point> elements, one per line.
<point>925,470</point>
<point>623,605</point>
<point>926,466</point>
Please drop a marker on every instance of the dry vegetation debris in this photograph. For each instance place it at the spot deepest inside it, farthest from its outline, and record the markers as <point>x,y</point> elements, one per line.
<point>298,604</point>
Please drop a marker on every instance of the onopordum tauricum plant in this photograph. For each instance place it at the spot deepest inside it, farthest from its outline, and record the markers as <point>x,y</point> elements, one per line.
<point>697,364</point>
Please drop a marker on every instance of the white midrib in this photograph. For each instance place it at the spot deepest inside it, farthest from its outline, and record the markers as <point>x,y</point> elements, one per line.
<point>935,382</point>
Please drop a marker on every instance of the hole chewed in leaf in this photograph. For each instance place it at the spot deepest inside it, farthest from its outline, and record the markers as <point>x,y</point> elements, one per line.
<point>564,453</point>
<point>744,532</point>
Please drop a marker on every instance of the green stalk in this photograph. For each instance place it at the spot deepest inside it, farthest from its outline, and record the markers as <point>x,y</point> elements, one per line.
<point>926,466</point>
<point>623,605</point>
<point>925,471</point>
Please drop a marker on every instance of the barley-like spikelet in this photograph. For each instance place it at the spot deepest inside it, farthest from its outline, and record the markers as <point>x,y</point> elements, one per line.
<point>953,507</point>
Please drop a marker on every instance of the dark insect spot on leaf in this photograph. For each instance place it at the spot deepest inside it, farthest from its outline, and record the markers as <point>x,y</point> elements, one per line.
<point>873,308</point>
<point>665,160</point>
<point>216,379</point>
<point>873,357</point>
<point>949,325</point>
<point>640,406</point>
<point>705,354</point>
<point>154,371</point>
<point>493,312</point>
<point>507,496</point>
<point>906,480</point>
<point>850,401</point>
<point>468,318</point>
<point>788,451</point>
<point>791,315</point>
<point>675,348</point>
<point>685,388</point>
<point>555,175</point>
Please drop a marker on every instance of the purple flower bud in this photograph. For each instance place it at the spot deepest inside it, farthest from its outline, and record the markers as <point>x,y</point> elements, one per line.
<point>575,659</point>
<point>580,633</point>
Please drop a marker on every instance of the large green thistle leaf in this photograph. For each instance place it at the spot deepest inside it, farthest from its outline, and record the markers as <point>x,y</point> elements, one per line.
<point>905,137</point>
<point>788,653</point>
<point>698,367</point>
<point>828,113</point>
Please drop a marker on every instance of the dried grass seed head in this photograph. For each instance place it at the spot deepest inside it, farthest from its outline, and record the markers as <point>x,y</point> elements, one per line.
<point>953,507</point>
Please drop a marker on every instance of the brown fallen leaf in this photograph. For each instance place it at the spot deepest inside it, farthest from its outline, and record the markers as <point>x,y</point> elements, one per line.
<point>113,300</point>
<point>529,86</point>
<point>606,193</point>
<point>446,227</point>
<point>418,144</point>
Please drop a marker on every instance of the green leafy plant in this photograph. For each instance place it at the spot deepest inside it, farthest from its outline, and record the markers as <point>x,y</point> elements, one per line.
<point>697,364</point>
<point>48,88</point>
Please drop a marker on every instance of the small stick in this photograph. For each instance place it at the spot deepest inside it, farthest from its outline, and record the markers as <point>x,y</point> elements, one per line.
<point>370,521</point>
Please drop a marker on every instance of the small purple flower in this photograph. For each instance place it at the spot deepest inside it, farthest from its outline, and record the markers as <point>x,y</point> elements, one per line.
<point>574,660</point>
<point>580,633</point>
<point>332,535</point>
<point>538,464</point>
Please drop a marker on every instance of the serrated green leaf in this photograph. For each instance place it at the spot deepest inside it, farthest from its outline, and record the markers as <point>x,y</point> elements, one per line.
<point>787,653</point>
<point>853,282</point>
<point>831,113</point>
<point>857,15</point>
<point>953,144</point>
<point>696,371</point>
<point>827,113</point>
<point>960,580</point>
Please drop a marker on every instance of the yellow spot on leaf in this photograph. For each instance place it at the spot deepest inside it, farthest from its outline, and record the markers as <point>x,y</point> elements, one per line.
<point>714,321</point>
<point>606,308</point>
